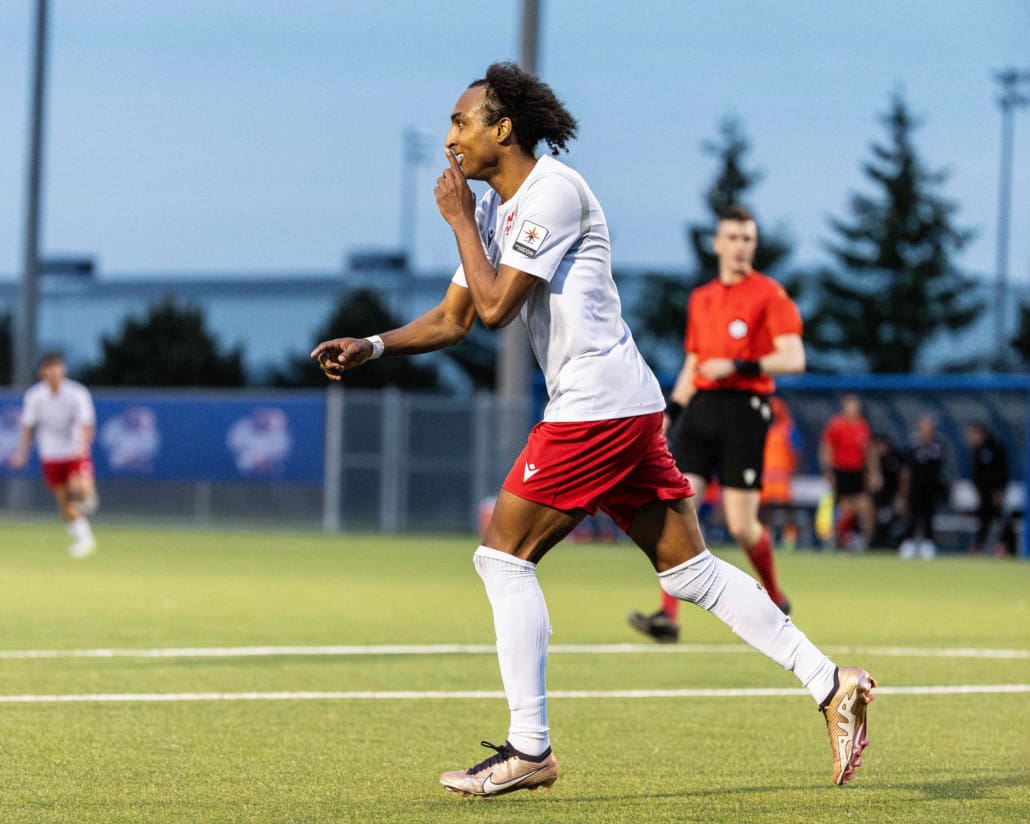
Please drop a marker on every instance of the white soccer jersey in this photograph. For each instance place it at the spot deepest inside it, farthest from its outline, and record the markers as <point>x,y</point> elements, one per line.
<point>553,228</point>
<point>58,418</point>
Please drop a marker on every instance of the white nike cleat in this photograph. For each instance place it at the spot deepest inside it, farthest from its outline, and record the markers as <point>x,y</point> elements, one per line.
<point>845,712</point>
<point>505,772</point>
<point>82,549</point>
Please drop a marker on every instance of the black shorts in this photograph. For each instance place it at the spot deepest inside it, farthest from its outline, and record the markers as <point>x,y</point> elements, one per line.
<point>848,482</point>
<point>722,433</point>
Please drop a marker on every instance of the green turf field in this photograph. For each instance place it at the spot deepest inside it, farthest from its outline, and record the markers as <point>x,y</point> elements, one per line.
<point>317,758</point>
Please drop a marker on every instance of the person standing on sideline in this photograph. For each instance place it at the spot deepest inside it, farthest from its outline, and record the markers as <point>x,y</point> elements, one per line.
<point>537,247</point>
<point>990,463</point>
<point>921,488</point>
<point>845,453</point>
<point>742,329</point>
<point>779,461</point>
<point>59,413</point>
<point>886,458</point>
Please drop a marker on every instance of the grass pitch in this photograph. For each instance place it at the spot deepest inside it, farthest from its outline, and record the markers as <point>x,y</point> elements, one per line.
<point>120,758</point>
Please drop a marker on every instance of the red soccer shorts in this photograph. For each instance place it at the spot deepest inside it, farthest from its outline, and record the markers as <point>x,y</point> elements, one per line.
<point>57,473</point>
<point>616,465</point>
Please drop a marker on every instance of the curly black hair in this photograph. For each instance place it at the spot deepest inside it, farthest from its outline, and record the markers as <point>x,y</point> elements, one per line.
<point>535,112</point>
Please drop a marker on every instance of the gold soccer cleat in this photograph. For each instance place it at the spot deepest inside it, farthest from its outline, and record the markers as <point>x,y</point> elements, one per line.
<point>506,771</point>
<point>845,713</point>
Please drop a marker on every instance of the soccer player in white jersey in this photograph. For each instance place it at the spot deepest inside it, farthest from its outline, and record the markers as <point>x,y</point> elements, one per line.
<point>537,246</point>
<point>59,412</point>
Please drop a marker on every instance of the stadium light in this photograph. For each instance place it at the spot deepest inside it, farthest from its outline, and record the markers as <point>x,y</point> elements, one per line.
<point>416,147</point>
<point>24,342</point>
<point>1011,98</point>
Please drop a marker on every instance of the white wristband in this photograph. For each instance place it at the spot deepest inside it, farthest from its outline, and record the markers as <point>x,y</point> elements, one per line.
<point>377,346</point>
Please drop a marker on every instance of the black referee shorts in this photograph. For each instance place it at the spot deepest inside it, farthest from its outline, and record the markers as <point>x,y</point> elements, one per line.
<point>722,433</point>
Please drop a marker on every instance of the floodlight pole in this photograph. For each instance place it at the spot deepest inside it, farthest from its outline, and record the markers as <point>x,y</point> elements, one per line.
<point>514,357</point>
<point>1010,80</point>
<point>414,156</point>
<point>24,342</point>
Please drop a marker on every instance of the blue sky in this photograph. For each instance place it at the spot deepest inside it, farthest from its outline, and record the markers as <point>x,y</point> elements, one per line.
<point>190,136</point>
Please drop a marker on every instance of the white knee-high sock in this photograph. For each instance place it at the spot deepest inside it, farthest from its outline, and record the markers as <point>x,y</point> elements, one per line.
<point>739,601</point>
<point>522,627</point>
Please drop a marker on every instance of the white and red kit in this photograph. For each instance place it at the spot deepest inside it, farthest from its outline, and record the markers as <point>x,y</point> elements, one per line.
<point>58,420</point>
<point>553,228</point>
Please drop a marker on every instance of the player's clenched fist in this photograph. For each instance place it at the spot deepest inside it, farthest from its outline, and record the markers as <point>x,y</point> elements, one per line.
<point>336,356</point>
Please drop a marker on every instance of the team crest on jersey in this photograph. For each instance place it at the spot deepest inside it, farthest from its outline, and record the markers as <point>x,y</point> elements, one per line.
<point>530,238</point>
<point>737,329</point>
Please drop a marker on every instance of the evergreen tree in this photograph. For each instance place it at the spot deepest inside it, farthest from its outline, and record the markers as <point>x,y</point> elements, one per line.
<point>170,346</point>
<point>731,186</point>
<point>357,315</point>
<point>659,315</point>
<point>6,350</point>
<point>895,285</point>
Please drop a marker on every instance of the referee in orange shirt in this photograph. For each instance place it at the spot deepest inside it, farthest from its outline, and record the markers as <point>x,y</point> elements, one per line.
<point>742,328</point>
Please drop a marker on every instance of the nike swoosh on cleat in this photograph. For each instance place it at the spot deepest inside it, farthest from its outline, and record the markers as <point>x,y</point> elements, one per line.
<point>847,728</point>
<point>489,788</point>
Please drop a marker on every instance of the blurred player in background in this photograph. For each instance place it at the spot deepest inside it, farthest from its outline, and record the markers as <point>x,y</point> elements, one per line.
<point>994,532</point>
<point>537,246</point>
<point>884,483</point>
<point>59,412</point>
<point>845,456</point>
<point>922,487</point>
<point>742,328</point>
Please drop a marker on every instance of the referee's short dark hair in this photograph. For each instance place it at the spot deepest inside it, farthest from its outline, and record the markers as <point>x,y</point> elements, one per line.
<point>735,212</point>
<point>50,358</point>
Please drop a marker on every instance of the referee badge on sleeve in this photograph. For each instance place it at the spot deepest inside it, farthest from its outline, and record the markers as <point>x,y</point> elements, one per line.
<point>530,238</point>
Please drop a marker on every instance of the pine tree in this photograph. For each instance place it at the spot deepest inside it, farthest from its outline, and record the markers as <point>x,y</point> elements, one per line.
<point>895,285</point>
<point>660,311</point>
<point>170,346</point>
<point>358,314</point>
<point>730,187</point>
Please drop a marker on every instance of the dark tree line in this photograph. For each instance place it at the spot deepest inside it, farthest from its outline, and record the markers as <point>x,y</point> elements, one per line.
<point>169,346</point>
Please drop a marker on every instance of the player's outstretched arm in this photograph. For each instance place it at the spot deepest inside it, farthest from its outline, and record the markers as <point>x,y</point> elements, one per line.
<point>20,456</point>
<point>440,327</point>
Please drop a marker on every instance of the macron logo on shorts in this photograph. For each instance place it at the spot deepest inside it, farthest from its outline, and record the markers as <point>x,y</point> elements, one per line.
<point>529,471</point>
<point>531,237</point>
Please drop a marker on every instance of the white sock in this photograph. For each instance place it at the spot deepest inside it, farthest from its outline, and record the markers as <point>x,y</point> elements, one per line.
<point>80,529</point>
<point>739,601</point>
<point>522,627</point>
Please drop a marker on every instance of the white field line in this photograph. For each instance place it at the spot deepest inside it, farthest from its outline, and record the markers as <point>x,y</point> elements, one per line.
<point>158,697</point>
<point>489,649</point>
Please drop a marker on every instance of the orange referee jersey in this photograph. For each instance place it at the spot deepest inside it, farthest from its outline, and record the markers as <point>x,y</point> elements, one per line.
<point>739,321</point>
